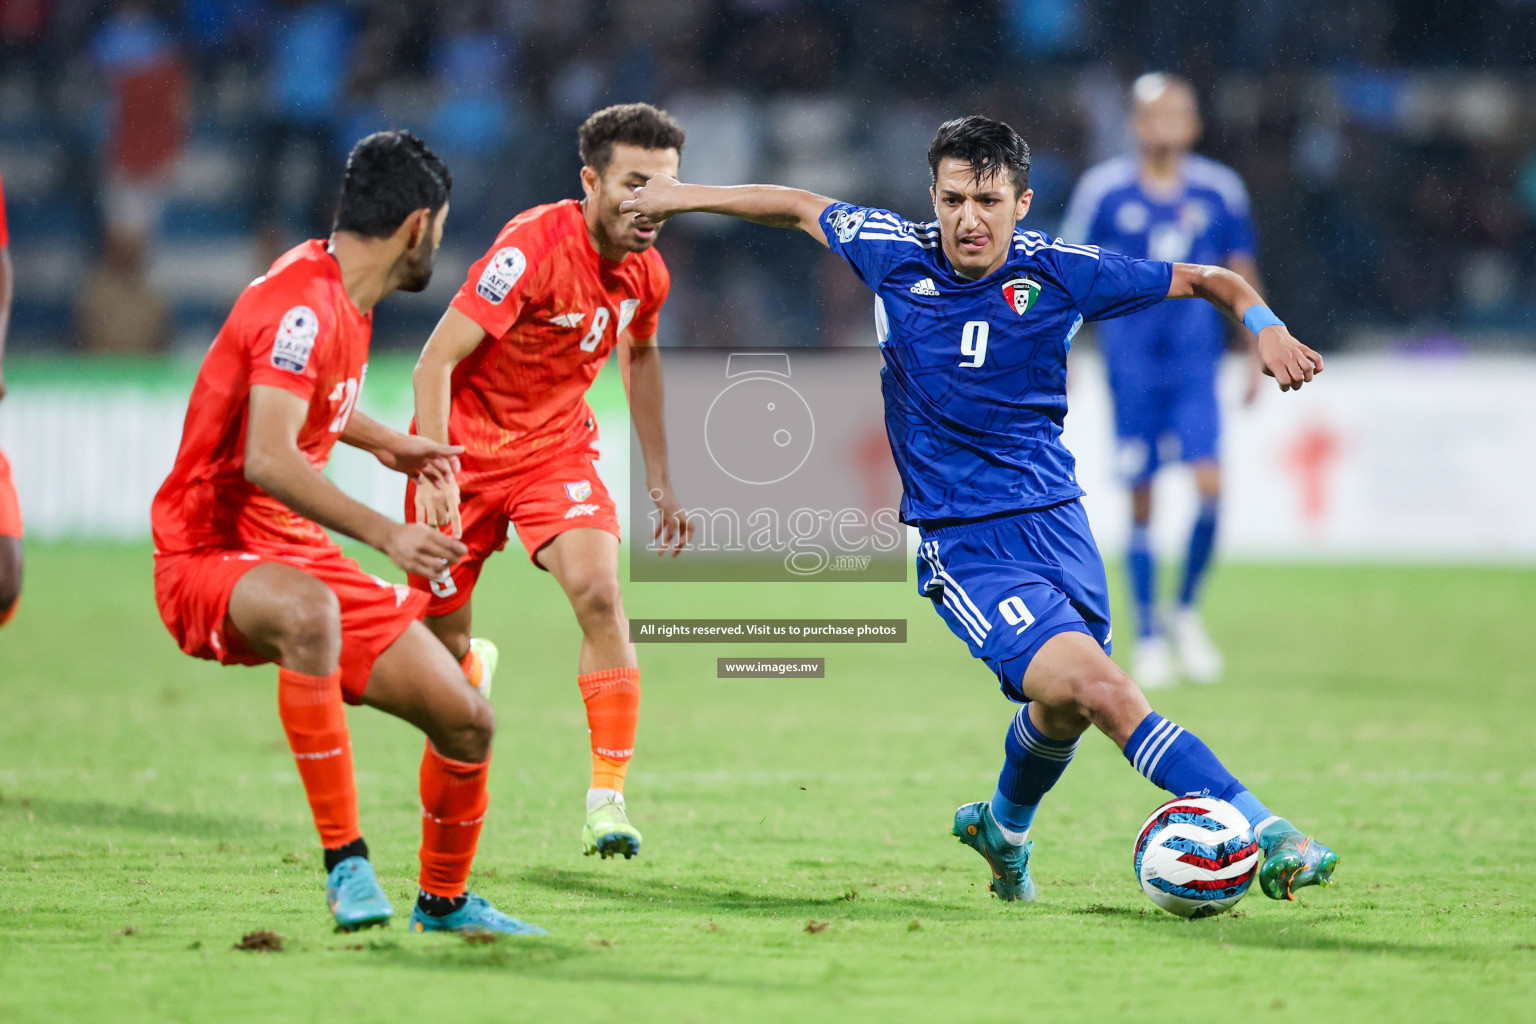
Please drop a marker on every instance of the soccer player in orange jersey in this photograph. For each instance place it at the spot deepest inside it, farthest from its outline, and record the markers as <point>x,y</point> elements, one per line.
<point>10,508</point>
<point>504,374</point>
<point>245,574</point>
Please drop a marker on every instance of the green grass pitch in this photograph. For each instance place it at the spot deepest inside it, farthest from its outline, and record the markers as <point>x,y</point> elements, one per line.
<point>797,863</point>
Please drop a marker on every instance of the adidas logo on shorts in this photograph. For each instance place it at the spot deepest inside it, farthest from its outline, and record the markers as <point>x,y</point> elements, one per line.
<point>580,510</point>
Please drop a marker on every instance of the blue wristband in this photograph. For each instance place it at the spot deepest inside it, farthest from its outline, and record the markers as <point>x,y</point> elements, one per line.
<point>1260,316</point>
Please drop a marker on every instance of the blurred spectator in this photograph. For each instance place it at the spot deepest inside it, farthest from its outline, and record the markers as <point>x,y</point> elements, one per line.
<point>1380,138</point>
<point>476,117</point>
<point>224,31</point>
<point>147,119</point>
<point>309,44</point>
<point>116,311</point>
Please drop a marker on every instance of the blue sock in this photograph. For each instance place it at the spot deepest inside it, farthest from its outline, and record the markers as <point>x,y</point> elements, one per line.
<point>1143,577</point>
<point>1179,762</point>
<point>1033,762</point>
<point>1202,543</point>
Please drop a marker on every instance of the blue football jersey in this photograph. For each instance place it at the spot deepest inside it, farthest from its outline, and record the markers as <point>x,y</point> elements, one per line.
<point>1205,221</point>
<point>975,375</point>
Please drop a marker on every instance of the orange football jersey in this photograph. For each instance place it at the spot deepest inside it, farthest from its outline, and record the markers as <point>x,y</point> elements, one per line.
<point>552,310</point>
<point>294,328</point>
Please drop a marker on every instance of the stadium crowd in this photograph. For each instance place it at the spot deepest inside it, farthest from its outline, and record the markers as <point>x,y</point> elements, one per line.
<point>157,154</point>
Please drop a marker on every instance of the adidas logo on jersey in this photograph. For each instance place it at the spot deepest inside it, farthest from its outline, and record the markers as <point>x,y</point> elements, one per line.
<point>580,510</point>
<point>568,319</point>
<point>924,287</point>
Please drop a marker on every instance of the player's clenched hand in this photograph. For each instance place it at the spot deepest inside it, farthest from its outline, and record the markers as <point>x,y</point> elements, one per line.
<point>655,200</point>
<point>1287,360</point>
<point>438,505</point>
<point>674,530</point>
<point>421,549</point>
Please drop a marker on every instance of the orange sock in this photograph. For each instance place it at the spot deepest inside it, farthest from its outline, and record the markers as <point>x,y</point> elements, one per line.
<point>474,668</point>
<point>7,614</point>
<point>453,803</point>
<point>613,710</point>
<point>316,723</point>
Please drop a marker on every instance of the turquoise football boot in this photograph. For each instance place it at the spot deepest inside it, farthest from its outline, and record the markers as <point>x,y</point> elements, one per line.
<point>1292,861</point>
<point>475,917</point>
<point>976,828</point>
<point>354,895</point>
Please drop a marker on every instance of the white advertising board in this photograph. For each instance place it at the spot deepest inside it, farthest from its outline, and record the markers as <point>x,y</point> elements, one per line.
<point>1388,458</point>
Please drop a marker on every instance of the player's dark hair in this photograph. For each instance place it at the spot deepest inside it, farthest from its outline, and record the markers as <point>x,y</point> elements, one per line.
<point>632,124</point>
<point>390,175</point>
<point>988,146</point>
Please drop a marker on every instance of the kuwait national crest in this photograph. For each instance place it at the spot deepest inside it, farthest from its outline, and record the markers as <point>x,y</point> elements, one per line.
<point>1021,293</point>
<point>578,491</point>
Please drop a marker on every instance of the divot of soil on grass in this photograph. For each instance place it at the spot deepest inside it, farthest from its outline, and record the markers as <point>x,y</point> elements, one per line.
<point>261,941</point>
<point>480,938</point>
<point>816,927</point>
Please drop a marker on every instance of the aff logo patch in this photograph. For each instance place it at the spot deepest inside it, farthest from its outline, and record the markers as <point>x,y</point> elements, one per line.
<point>846,224</point>
<point>580,490</point>
<point>1021,293</point>
<point>295,339</point>
<point>626,313</point>
<point>501,272</point>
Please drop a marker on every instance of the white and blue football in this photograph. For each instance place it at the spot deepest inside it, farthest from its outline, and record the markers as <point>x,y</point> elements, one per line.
<point>1196,856</point>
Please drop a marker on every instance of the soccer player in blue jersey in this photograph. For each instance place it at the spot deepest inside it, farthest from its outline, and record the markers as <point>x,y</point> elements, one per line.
<point>974,318</point>
<point>1166,203</point>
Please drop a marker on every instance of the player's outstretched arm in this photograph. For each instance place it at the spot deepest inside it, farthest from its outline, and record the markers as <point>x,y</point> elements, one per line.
<point>274,463</point>
<point>452,340</point>
<point>640,362</point>
<point>1245,268</point>
<point>415,456</point>
<point>1283,357</point>
<point>774,205</point>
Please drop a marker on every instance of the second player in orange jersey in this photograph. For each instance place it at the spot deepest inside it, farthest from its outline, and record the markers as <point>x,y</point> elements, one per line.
<point>505,375</point>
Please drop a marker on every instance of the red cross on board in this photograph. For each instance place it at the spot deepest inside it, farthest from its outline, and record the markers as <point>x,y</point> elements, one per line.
<point>1311,455</point>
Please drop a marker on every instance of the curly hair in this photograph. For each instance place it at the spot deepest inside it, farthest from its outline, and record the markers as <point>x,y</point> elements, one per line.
<point>632,124</point>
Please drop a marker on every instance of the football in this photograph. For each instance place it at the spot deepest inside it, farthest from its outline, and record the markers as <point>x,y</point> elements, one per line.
<point>1196,856</point>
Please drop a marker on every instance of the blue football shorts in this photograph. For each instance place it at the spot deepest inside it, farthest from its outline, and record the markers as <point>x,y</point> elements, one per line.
<point>1163,422</point>
<point>1007,584</point>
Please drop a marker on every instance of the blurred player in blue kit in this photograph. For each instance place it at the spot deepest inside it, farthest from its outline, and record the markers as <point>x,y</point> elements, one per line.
<point>1166,203</point>
<point>974,318</point>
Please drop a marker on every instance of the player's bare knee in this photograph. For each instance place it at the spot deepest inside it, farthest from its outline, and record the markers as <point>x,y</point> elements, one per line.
<point>468,737</point>
<point>1102,691</point>
<point>596,601</point>
<point>10,573</point>
<point>309,625</point>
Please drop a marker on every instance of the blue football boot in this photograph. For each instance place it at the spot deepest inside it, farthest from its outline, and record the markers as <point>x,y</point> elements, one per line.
<point>475,917</point>
<point>976,828</point>
<point>354,895</point>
